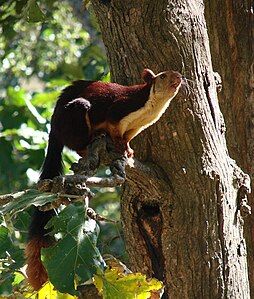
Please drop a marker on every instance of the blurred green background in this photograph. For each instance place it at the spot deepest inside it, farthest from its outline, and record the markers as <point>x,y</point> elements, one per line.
<point>37,59</point>
<point>44,45</point>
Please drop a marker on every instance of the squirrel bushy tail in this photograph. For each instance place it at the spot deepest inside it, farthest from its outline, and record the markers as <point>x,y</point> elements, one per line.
<point>37,234</point>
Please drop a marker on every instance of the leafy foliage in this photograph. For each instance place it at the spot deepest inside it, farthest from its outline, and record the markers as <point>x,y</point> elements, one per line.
<point>24,199</point>
<point>113,284</point>
<point>76,250</point>
<point>11,259</point>
<point>37,60</point>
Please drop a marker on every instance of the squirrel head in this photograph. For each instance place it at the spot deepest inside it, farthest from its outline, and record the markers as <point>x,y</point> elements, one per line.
<point>165,84</point>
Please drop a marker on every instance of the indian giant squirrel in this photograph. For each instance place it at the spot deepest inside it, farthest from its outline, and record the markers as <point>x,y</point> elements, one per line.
<point>83,109</point>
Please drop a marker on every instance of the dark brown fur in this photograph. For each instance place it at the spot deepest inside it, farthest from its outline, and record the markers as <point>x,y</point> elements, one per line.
<point>102,101</point>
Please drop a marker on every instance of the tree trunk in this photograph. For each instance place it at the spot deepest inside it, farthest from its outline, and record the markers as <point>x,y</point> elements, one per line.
<point>230,28</point>
<point>181,214</point>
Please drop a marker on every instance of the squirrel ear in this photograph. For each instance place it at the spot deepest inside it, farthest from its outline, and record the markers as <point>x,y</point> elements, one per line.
<point>148,75</point>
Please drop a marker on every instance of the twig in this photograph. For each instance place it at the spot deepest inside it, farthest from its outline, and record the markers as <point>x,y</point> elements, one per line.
<point>93,215</point>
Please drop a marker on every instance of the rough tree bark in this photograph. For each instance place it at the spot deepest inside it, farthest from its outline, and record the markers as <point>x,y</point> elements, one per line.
<point>230,28</point>
<point>183,223</point>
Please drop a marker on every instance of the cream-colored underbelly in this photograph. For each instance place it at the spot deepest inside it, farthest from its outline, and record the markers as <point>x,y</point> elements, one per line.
<point>143,118</point>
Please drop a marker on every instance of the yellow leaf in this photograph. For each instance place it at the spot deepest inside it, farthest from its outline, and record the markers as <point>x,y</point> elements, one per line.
<point>98,282</point>
<point>48,292</point>
<point>113,284</point>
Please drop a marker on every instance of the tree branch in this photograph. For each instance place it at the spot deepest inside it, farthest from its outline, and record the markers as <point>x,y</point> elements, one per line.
<point>101,151</point>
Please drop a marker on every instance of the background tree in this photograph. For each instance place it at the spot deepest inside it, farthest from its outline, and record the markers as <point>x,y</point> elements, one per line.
<point>230,30</point>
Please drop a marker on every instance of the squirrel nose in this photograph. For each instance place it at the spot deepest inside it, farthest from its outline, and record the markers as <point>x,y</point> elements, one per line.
<point>176,78</point>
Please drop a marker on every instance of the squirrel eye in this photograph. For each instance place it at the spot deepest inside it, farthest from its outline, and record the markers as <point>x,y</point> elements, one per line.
<point>163,76</point>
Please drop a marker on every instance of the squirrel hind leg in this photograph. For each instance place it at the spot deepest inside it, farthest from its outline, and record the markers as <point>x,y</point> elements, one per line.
<point>122,146</point>
<point>73,124</point>
<point>120,141</point>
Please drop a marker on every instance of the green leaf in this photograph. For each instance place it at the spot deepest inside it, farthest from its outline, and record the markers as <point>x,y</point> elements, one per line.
<point>19,5</point>
<point>7,30</point>
<point>7,248</point>
<point>73,69</point>
<point>106,78</point>
<point>45,98</point>
<point>15,97</point>
<point>32,12</point>
<point>21,221</point>
<point>24,199</point>
<point>4,240</point>
<point>12,259</point>
<point>114,284</point>
<point>18,278</point>
<point>6,280</point>
<point>75,252</point>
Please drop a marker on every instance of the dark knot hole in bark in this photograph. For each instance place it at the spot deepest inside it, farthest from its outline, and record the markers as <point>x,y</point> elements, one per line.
<point>150,222</point>
<point>150,210</point>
